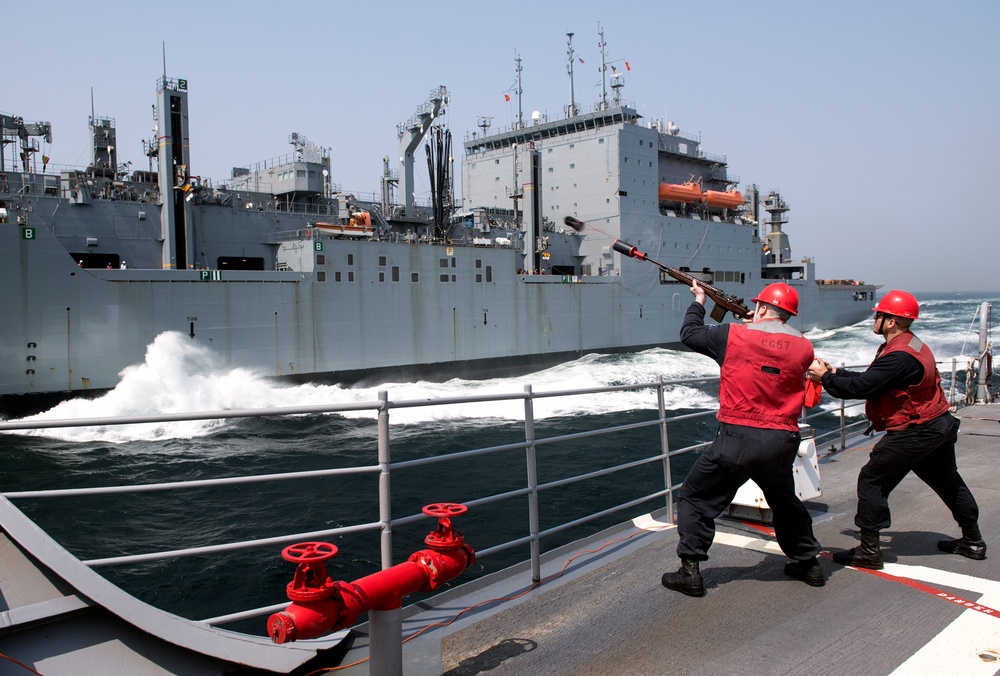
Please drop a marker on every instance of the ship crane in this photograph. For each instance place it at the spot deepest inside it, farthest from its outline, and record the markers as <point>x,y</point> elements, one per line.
<point>11,127</point>
<point>411,133</point>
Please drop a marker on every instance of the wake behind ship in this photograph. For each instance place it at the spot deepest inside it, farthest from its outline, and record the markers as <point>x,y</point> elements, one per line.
<point>279,270</point>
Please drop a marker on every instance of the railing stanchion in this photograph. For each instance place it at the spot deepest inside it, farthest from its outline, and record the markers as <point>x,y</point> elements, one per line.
<point>954,374</point>
<point>385,648</point>
<point>665,449</point>
<point>843,420</point>
<point>532,468</point>
<point>384,490</point>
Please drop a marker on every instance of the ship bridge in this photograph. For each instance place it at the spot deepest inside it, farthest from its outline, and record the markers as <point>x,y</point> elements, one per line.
<point>545,130</point>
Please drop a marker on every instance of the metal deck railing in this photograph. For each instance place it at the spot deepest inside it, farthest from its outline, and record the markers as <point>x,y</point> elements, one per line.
<point>384,467</point>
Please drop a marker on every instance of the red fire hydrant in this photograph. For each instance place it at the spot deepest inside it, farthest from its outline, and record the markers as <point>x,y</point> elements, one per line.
<point>320,605</point>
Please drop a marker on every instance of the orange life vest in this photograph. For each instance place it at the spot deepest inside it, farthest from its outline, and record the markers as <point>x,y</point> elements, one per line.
<point>763,375</point>
<point>897,409</point>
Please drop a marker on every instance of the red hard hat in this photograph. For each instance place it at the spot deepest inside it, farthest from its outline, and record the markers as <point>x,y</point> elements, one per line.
<point>898,304</point>
<point>779,295</point>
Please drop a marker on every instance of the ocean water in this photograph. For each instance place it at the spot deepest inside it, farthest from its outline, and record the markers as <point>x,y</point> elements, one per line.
<point>177,376</point>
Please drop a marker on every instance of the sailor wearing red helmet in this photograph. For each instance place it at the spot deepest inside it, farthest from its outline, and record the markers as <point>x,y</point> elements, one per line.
<point>904,397</point>
<point>761,392</point>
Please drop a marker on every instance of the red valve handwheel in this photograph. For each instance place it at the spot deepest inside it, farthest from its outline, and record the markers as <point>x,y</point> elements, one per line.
<point>304,552</point>
<point>445,509</point>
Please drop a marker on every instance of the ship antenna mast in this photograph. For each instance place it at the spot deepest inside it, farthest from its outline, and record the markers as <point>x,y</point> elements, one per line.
<point>571,109</point>
<point>520,115</point>
<point>602,45</point>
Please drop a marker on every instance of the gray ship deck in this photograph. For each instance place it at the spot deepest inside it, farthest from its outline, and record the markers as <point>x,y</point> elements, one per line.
<point>608,614</point>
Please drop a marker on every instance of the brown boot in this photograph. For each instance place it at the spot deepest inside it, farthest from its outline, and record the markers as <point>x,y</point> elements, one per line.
<point>866,555</point>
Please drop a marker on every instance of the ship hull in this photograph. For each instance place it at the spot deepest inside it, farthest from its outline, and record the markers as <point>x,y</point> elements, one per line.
<point>430,311</point>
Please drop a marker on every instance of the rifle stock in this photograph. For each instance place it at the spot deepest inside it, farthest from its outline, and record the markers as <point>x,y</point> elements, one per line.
<point>724,302</point>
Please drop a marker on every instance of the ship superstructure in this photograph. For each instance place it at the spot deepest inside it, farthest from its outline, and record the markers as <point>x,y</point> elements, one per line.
<point>279,270</point>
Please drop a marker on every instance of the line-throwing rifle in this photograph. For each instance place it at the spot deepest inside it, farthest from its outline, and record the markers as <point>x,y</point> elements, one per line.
<point>724,302</point>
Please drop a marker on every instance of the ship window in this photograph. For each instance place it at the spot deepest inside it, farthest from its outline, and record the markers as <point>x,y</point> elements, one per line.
<point>381,276</point>
<point>572,145</point>
<point>350,276</point>
<point>395,273</point>
<point>312,174</point>
<point>444,278</point>
<point>453,278</point>
<point>600,141</point>
<point>414,277</point>
<point>572,166</point>
<point>336,276</point>
<point>320,259</point>
<point>479,262</point>
<point>350,259</point>
<point>454,262</point>
<point>496,161</point>
<point>381,260</point>
<point>550,170</point>
<point>300,173</point>
<point>443,262</point>
<point>489,273</point>
<point>479,277</point>
<point>240,263</point>
<point>321,276</point>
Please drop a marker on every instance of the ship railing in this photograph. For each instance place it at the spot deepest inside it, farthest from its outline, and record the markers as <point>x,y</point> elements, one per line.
<point>661,499</point>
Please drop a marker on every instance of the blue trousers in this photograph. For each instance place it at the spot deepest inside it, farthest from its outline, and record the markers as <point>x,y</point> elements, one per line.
<point>737,454</point>
<point>928,451</point>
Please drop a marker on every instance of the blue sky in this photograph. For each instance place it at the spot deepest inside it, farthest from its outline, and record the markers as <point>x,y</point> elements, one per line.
<point>879,122</point>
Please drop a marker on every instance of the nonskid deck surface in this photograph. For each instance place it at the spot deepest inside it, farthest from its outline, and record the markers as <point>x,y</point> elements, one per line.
<point>928,612</point>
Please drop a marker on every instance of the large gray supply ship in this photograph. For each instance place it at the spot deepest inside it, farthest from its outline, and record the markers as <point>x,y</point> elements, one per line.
<point>279,270</point>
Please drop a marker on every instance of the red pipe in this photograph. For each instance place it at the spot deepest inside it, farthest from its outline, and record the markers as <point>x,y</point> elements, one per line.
<point>321,605</point>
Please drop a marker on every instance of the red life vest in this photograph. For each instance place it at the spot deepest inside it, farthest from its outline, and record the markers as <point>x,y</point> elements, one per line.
<point>897,409</point>
<point>762,381</point>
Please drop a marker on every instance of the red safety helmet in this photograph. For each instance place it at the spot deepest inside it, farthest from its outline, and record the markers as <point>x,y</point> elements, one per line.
<point>779,295</point>
<point>898,304</point>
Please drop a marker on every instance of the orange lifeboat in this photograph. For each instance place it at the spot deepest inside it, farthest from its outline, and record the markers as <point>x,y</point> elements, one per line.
<point>361,219</point>
<point>680,192</point>
<point>359,224</point>
<point>731,199</point>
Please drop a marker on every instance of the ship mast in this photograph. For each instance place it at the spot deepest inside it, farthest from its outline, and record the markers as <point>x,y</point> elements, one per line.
<point>571,109</point>
<point>520,115</point>
<point>604,91</point>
